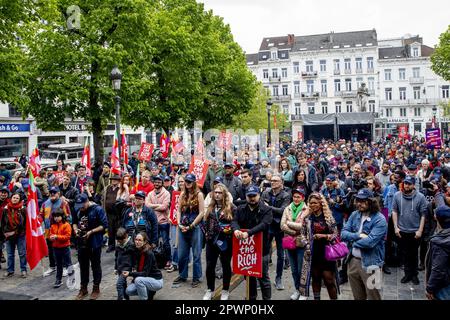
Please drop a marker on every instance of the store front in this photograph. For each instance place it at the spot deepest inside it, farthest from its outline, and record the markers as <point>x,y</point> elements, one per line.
<point>13,139</point>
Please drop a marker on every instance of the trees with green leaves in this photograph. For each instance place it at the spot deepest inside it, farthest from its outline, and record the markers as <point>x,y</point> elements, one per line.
<point>441,57</point>
<point>179,64</point>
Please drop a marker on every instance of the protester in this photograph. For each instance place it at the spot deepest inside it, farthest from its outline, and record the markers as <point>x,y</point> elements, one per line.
<point>5,173</point>
<point>104,180</point>
<point>232,183</point>
<point>145,185</point>
<point>109,197</point>
<point>124,188</point>
<point>42,183</point>
<point>300,182</point>
<point>286,173</point>
<point>247,178</point>
<point>335,199</point>
<point>124,261</point>
<point>81,178</point>
<point>214,171</point>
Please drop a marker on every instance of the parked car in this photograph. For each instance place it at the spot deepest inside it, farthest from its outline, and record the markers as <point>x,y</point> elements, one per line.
<point>69,153</point>
<point>12,166</point>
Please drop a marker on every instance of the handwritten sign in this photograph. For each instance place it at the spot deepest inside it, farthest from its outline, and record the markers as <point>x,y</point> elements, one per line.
<point>199,168</point>
<point>433,138</point>
<point>146,151</point>
<point>174,207</point>
<point>247,255</point>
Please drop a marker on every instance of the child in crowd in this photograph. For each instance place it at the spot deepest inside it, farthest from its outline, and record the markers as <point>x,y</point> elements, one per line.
<point>125,258</point>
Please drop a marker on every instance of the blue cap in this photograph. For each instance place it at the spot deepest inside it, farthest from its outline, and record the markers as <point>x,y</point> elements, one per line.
<point>299,190</point>
<point>412,167</point>
<point>4,189</point>
<point>81,200</point>
<point>252,191</point>
<point>140,194</point>
<point>190,177</point>
<point>447,155</point>
<point>218,180</point>
<point>443,214</point>
<point>410,180</point>
<point>437,171</point>
<point>331,177</point>
<point>25,182</point>
<point>54,190</point>
<point>167,178</point>
<point>158,177</point>
<point>364,194</point>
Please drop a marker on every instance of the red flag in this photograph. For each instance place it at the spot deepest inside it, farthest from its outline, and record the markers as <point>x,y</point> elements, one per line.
<point>86,157</point>
<point>35,162</point>
<point>275,120</point>
<point>200,150</point>
<point>115,163</point>
<point>124,153</point>
<point>174,207</point>
<point>164,142</point>
<point>36,245</point>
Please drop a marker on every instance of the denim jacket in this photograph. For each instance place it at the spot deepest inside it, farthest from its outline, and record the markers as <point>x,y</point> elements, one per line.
<point>388,198</point>
<point>372,247</point>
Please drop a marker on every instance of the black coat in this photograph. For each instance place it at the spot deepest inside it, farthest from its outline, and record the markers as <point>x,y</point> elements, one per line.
<point>255,221</point>
<point>125,256</point>
<point>277,203</point>
<point>150,268</point>
<point>438,262</point>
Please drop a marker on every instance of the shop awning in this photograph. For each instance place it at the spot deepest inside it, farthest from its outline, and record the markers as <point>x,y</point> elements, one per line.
<point>355,118</point>
<point>318,119</point>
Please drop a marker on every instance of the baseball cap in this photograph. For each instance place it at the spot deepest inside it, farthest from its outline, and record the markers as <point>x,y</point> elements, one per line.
<point>167,178</point>
<point>252,191</point>
<point>218,180</point>
<point>228,164</point>
<point>81,200</point>
<point>158,177</point>
<point>54,190</point>
<point>299,190</point>
<point>412,166</point>
<point>443,214</point>
<point>447,155</point>
<point>190,177</point>
<point>140,194</point>
<point>331,177</point>
<point>4,189</point>
<point>364,194</point>
<point>409,180</point>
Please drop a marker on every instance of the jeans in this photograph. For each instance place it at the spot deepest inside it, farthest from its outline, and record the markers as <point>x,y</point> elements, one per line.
<point>121,286</point>
<point>264,282</point>
<point>296,260</point>
<point>141,285</point>
<point>278,235</point>
<point>51,254</point>
<point>186,241</point>
<point>88,255</point>
<point>163,232</point>
<point>62,257</point>
<point>443,294</point>
<point>212,253</point>
<point>410,251</point>
<point>11,244</point>
<point>173,244</point>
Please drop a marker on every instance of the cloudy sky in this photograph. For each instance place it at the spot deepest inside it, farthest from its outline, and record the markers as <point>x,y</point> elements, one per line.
<point>251,20</point>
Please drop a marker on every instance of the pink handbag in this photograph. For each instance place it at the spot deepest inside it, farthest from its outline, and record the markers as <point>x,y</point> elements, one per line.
<point>289,243</point>
<point>334,252</point>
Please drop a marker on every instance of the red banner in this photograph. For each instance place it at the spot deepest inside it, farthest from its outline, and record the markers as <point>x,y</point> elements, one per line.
<point>146,151</point>
<point>199,168</point>
<point>174,207</point>
<point>225,140</point>
<point>247,255</point>
<point>59,175</point>
<point>403,131</point>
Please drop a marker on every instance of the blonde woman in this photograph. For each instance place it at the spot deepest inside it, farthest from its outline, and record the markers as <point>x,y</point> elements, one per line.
<point>124,188</point>
<point>218,234</point>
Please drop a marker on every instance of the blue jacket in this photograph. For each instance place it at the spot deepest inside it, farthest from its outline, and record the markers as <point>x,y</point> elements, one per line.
<point>438,257</point>
<point>372,247</point>
<point>337,208</point>
<point>147,222</point>
<point>7,176</point>
<point>96,217</point>
<point>388,197</point>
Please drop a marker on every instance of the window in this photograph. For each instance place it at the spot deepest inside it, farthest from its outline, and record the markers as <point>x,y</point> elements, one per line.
<point>387,74</point>
<point>284,72</point>
<point>358,65</point>
<point>347,65</point>
<point>265,73</point>
<point>324,107</point>
<point>370,64</point>
<point>416,91</point>
<point>309,66</point>
<point>323,85</point>
<point>13,147</point>
<point>338,107</point>
<point>310,86</point>
<point>337,85</point>
<point>267,89</point>
<point>13,112</point>
<point>388,93</point>
<point>275,90</point>
<point>417,112</point>
<point>297,87</point>
<point>285,108</point>
<point>274,55</point>
<point>388,112</point>
<point>359,82</point>
<point>402,112</point>
<point>297,109</point>
<point>415,52</point>
<point>371,82</point>
<point>416,72</point>
<point>349,106</point>
<point>401,74</point>
<point>402,93</point>
<point>371,105</point>
<point>275,73</point>
<point>348,84</point>
<point>323,65</point>
<point>296,67</point>
<point>285,90</point>
<point>72,155</point>
<point>445,92</point>
<point>311,108</point>
<point>337,66</point>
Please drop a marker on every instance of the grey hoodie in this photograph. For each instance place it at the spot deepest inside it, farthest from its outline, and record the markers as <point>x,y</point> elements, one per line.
<point>410,208</point>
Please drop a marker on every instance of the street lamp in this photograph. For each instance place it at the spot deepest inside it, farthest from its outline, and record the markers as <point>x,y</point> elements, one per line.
<point>269,104</point>
<point>116,79</point>
<point>434,116</point>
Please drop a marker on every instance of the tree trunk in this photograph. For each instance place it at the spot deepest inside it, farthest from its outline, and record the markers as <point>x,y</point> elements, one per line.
<point>97,134</point>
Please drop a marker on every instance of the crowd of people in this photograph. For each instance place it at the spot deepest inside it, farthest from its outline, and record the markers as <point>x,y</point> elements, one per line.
<point>334,212</point>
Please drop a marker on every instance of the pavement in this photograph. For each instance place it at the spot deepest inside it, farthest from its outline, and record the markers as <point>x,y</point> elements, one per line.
<point>35,286</point>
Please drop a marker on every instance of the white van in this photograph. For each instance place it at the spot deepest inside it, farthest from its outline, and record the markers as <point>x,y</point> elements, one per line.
<point>69,153</point>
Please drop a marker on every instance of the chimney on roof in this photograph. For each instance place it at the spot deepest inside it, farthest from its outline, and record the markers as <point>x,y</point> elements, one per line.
<point>331,36</point>
<point>290,39</point>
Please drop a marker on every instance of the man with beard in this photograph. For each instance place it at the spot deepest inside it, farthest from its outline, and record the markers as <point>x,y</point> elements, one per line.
<point>384,175</point>
<point>408,214</point>
<point>103,181</point>
<point>232,182</point>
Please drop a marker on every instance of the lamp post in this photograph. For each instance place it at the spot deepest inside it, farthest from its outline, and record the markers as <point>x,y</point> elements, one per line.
<point>434,116</point>
<point>269,104</point>
<point>116,79</point>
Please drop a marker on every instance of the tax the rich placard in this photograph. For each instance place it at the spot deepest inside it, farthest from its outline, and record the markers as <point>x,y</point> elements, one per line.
<point>199,168</point>
<point>174,207</point>
<point>146,151</point>
<point>247,255</point>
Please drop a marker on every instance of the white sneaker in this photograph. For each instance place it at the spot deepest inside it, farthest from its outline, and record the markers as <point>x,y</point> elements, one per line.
<point>208,295</point>
<point>295,295</point>
<point>65,272</point>
<point>302,298</point>
<point>49,272</point>
<point>225,295</point>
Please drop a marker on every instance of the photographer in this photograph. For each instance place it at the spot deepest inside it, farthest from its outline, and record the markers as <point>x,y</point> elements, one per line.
<point>353,185</point>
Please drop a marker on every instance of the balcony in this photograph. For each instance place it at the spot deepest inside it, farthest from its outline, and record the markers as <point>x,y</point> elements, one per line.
<point>348,71</point>
<point>416,80</point>
<point>274,79</point>
<point>370,70</point>
<point>409,102</point>
<point>349,94</point>
<point>324,94</point>
<point>310,96</point>
<point>359,71</point>
<point>310,74</point>
<point>337,71</point>
<point>296,117</point>
<point>282,98</point>
<point>297,95</point>
<point>338,93</point>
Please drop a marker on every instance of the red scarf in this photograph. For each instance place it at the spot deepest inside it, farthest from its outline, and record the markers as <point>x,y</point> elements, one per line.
<point>141,262</point>
<point>14,215</point>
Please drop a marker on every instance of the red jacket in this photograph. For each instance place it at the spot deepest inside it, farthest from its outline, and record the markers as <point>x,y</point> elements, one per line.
<point>147,189</point>
<point>63,232</point>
